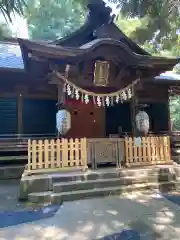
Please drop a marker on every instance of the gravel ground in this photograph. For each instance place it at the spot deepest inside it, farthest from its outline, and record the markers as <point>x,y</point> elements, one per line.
<point>9,197</point>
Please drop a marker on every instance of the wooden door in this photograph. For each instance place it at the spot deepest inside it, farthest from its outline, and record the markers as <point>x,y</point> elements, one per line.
<point>87,120</point>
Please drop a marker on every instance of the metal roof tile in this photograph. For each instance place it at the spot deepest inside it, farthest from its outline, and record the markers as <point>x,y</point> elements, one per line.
<point>10,56</point>
<point>168,76</point>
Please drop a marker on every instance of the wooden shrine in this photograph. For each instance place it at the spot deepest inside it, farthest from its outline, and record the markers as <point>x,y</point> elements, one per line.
<point>102,78</point>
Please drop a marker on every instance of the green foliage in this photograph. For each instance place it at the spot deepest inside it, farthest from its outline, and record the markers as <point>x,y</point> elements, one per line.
<point>175,112</point>
<point>52,19</point>
<point>9,7</point>
<point>5,31</point>
<point>167,46</point>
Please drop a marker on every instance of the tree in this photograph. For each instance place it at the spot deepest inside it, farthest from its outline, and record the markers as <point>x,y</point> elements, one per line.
<point>9,7</point>
<point>5,31</point>
<point>52,19</point>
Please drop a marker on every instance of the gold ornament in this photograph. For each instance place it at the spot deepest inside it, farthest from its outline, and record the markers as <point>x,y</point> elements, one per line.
<point>101,73</point>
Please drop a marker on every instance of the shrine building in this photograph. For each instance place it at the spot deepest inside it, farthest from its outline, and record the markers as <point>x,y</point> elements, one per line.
<point>102,77</point>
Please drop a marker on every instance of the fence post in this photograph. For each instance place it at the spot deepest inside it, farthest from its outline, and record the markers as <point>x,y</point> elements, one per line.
<point>84,153</point>
<point>29,154</point>
<point>46,153</point>
<point>34,155</point>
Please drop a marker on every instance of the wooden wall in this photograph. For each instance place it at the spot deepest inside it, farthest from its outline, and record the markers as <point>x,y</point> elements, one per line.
<point>20,99</point>
<point>18,92</point>
<point>35,105</point>
<point>88,120</point>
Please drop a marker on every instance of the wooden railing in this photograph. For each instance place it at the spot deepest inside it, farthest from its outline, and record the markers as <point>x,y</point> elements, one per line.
<point>147,151</point>
<point>57,154</point>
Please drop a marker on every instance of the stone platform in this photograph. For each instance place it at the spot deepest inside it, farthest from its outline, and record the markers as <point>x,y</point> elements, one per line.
<point>58,187</point>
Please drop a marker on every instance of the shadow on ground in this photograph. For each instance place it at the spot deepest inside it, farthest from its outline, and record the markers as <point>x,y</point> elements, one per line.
<point>150,217</point>
<point>10,218</point>
<point>146,214</point>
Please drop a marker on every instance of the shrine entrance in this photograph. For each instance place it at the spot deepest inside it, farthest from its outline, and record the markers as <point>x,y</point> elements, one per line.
<point>87,120</point>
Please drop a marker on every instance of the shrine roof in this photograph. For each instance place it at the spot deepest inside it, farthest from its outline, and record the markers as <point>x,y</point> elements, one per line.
<point>51,51</point>
<point>99,29</point>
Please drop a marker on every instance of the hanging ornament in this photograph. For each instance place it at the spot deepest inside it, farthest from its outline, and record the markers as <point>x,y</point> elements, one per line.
<point>77,96</point>
<point>107,100</point>
<point>86,99</point>
<point>112,101</point>
<point>129,93</point>
<point>124,95</point>
<point>69,90</point>
<point>99,103</point>
<point>117,99</point>
<point>101,75</point>
<point>121,97</point>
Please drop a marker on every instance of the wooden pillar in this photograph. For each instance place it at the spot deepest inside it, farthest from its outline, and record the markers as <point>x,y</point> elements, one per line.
<point>169,117</point>
<point>19,114</point>
<point>61,94</point>
<point>134,102</point>
<point>61,97</point>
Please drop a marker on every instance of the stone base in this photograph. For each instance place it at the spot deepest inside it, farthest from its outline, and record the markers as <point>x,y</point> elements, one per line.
<point>11,172</point>
<point>58,187</point>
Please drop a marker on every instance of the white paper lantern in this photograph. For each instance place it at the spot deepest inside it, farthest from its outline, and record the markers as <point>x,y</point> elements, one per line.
<point>63,121</point>
<point>142,122</point>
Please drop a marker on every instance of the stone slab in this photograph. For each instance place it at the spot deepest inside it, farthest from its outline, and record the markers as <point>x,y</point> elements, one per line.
<point>44,182</point>
<point>59,198</point>
<point>34,184</point>
<point>11,172</point>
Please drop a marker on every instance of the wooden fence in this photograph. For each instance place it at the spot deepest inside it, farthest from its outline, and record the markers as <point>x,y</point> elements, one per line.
<point>77,153</point>
<point>147,151</point>
<point>57,154</point>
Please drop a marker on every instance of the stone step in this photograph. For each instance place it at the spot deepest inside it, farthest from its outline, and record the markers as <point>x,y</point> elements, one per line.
<point>40,197</point>
<point>106,174</point>
<point>11,172</point>
<point>101,183</point>
<point>58,198</point>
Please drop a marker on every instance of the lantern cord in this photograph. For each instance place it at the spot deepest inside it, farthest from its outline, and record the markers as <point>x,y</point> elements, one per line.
<point>66,81</point>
